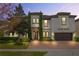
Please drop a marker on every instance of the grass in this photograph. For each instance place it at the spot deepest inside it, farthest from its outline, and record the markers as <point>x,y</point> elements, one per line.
<point>13,46</point>
<point>22,53</point>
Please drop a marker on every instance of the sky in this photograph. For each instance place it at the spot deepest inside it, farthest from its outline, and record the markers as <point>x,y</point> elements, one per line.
<point>52,8</point>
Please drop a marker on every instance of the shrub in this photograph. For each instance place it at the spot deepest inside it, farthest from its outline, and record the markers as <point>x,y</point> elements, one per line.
<point>25,39</point>
<point>76,38</point>
<point>7,39</point>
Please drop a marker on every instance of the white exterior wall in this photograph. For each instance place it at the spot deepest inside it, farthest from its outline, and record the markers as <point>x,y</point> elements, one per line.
<point>56,25</point>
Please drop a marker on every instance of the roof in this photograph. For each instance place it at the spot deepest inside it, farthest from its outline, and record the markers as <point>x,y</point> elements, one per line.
<point>72,16</point>
<point>35,13</point>
<point>63,13</point>
<point>77,20</point>
<point>46,17</point>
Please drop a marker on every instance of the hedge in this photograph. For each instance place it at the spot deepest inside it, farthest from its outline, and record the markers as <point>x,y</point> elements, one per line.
<point>8,39</point>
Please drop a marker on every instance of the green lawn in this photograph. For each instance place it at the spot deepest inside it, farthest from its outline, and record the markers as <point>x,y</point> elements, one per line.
<point>13,46</point>
<point>22,53</point>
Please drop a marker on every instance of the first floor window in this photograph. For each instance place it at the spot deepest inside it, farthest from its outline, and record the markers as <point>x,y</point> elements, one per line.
<point>45,34</point>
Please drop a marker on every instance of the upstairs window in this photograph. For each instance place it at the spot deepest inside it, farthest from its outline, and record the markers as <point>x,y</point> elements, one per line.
<point>63,21</point>
<point>45,23</point>
<point>35,20</point>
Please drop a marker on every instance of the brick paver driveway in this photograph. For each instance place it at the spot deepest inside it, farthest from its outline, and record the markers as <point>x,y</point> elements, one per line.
<point>54,48</point>
<point>54,45</point>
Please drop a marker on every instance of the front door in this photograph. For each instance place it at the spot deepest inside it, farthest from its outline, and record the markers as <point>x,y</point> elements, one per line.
<point>35,35</point>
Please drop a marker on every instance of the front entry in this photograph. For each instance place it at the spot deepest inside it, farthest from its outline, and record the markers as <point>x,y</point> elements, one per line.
<point>35,34</point>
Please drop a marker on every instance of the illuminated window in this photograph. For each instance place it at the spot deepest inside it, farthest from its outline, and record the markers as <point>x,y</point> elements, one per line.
<point>45,22</point>
<point>63,20</point>
<point>37,20</point>
<point>33,20</point>
<point>11,35</point>
<point>45,34</point>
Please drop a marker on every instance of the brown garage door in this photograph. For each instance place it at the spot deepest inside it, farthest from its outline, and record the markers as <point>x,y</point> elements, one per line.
<point>63,36</point>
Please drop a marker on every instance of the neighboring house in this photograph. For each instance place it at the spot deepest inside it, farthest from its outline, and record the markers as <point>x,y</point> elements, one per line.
<point>8,27</point>
<point>77,27</point>
<point>56,27</point>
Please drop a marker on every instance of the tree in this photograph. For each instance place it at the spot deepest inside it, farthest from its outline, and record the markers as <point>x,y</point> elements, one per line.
<point>6,11</point>
<point>21,28</point>
<point>19,10</point>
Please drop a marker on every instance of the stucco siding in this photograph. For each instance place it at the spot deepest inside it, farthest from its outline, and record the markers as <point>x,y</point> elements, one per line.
<point>56,25</point>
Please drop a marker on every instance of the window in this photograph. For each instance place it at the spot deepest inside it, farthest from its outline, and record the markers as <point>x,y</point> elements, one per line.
<point>45,23</point>
<point>63,20</point>
<point>45,34</point>
<point>35,20</point>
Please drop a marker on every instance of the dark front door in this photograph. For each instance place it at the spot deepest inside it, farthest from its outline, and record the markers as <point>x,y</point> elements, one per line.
<point>63,36</point>
<point>36,35</point>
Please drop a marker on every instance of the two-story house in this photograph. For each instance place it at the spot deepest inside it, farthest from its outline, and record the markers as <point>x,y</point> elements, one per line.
<point>55,27</point>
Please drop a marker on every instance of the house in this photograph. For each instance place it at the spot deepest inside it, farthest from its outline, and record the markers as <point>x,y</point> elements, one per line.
<point>51,27</point>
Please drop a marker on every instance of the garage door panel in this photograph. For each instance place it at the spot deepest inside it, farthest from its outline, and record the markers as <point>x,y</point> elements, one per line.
<point>63,36</point>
